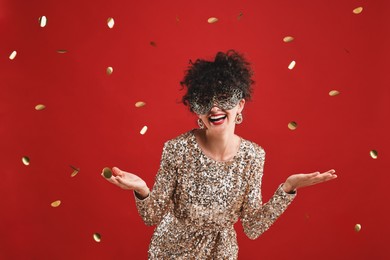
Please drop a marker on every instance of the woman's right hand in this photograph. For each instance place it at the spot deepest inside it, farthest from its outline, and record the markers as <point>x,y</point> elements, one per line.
<point>128,181</point>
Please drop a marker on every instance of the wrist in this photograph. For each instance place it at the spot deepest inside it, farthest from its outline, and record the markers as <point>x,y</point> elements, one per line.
<point>287,188</point>
<point>142,193</point>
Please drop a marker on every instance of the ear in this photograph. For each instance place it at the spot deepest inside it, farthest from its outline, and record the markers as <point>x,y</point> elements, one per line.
<point>241,105</point>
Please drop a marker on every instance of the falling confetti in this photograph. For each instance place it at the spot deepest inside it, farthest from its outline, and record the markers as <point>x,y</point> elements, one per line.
<point>12,55</point>
<point>97,237</point>
<point>291,65</point>
<point>288,39</point>
<point>42,21</point>
<point>212,20</point>
<point>152,43</point>
<point>110,22</point>
<point>292,125</point>
<point>62,51</point>
<point>26,160</point>
<point>140,104</point>
<point>40,107</point>
<point>374,154</point>
<point>75,171</point>
<point>358,10</point>
<point>333,93</point>
<point>56,203</point>
<point>109,70</point>
<point>240,16</point>
<point>358,227</point>
<point>107,173</point>
<point>143,130</point>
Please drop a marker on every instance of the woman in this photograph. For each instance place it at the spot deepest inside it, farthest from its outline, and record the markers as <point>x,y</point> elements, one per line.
<point>210,177</point>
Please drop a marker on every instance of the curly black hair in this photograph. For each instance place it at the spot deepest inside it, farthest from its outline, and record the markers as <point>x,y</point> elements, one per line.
<point>229,71</point>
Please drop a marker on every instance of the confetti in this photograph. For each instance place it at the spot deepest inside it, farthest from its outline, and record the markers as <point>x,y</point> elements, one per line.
<point>40,107</point>
<point>143,130</point>
<point>56,203</point>
<point>374,154</point>
<point>109,70</point>
<point>26,160</point>
<point>107,173</point>
<point>42,21</point>
<point>110,22</point>
<point>292,125</point>
<point>291,65</point>
<point>288,39</point>
<point>358,10</point>
<point>212,20</point>
<point>12,55</point>
<point>97,237</point>
<point>358,227</point>
<point>140,104</point>
<point>333,93</point>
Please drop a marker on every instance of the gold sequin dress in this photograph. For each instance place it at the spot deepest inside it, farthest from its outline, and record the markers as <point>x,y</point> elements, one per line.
<point>196,200</point>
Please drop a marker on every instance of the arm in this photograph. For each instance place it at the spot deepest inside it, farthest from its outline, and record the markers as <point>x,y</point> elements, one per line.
<point>153,206</point>
<point>257,217</point>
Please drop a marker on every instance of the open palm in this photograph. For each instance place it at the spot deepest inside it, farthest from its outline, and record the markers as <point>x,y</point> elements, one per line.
<point>126,180</point>
<point>300,180</point>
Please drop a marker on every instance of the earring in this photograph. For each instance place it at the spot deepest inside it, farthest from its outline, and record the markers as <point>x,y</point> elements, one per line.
<point>239,119</point>
<point>200,123</point>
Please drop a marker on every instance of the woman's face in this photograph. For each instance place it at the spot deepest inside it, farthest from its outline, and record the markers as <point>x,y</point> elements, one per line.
<point>219,119</point>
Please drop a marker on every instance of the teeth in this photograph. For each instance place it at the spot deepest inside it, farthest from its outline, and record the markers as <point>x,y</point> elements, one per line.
<point>217,117</point>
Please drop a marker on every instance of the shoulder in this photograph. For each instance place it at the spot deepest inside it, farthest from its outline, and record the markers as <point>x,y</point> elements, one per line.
<point>252,149</point>
<point>180,142</point>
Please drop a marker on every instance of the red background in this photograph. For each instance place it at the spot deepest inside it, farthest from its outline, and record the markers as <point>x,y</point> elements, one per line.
<point>90,120</point>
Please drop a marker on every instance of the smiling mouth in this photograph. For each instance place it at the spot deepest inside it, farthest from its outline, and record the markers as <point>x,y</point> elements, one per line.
<point>218,118</point>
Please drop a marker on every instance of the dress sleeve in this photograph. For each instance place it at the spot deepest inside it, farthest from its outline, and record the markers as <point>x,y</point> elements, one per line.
<point>154,207</point>
<point>257,217</point>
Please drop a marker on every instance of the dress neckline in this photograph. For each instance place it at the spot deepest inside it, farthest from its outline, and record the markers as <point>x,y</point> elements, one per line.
<point>197,146</point>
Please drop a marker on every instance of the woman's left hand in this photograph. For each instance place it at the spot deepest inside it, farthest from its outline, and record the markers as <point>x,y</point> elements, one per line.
<point>300,180</point>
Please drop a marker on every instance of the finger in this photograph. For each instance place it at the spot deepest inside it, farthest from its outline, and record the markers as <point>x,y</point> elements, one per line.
<point>111,179</point>
<point>117,171</point>
<point>123,183</point>
<point>313,174</point>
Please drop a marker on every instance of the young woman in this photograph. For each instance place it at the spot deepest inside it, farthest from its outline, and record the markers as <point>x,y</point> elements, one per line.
<point>210,177</point>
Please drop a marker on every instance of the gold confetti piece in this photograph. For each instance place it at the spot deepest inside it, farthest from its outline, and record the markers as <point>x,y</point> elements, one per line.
<point>212,20</point>
<point>240,16</point>
<point>374,154</point>
<point>143,130</point>
<point>26,160</point>
<point>40,107</point>
<point>291,65</point>
<point>152,43</point>
<point>288,39</point>
<point>333,93</point>
<point>62,51</point>
<point>97,237</point>
<point>140,104</point>
<point>75,171</point>
<point>358,227</point>
<point>109,70</point>
<point>292,125</point>
<point>358,10</point>
<point>56,203</point>
<point>107,173</point>
<point>110,22</point>
<point>13,55</point>
<point>42,21</point>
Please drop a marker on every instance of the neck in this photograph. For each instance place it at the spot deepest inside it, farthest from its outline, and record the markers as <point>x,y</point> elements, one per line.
<point>220,146</point>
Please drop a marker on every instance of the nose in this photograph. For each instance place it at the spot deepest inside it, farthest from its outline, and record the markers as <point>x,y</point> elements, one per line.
<point>215,108</point>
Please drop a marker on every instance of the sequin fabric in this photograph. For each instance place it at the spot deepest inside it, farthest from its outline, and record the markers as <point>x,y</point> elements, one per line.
<point>196,200</point>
